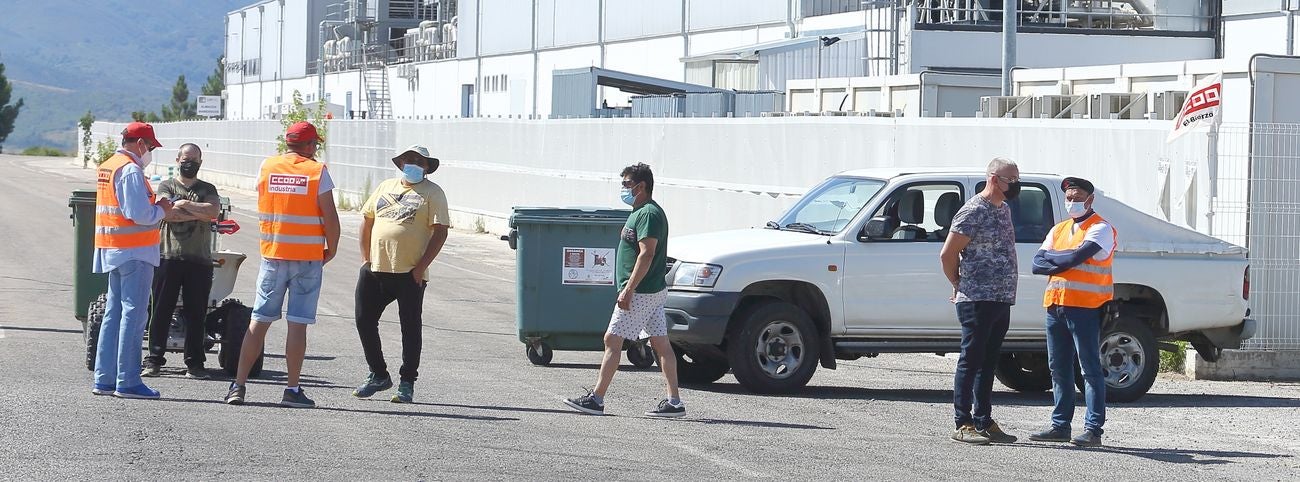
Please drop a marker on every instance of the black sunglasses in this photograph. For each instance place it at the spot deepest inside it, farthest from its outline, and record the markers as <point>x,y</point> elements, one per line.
<point>629,183</point>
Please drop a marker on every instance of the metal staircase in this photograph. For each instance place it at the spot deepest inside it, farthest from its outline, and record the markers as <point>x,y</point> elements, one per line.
<point>374,76</point>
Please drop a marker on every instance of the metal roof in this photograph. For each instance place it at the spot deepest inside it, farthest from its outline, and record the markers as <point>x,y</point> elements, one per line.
<point>636,84</point>
<point>749,52</point>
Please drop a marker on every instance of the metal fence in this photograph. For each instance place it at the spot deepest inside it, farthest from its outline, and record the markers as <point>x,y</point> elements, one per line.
<point>1259,189</point>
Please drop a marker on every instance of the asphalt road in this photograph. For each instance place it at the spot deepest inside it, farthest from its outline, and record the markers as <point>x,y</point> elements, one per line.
<point>483,412</point>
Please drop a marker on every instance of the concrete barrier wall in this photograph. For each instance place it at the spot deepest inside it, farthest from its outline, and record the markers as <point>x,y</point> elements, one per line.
<point>712,173</point>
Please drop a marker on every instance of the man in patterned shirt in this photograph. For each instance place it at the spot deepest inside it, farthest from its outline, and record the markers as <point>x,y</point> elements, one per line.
<point>979,259</point>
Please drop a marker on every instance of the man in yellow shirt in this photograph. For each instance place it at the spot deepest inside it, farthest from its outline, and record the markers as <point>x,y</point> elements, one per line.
<point>405,227</point>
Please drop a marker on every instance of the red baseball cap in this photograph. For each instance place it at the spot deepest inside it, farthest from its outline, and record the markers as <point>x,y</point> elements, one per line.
<point>141,130</point>
<point>301,133</point>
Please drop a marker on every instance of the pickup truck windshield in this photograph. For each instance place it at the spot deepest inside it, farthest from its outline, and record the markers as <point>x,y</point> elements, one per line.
<point>832,204</point>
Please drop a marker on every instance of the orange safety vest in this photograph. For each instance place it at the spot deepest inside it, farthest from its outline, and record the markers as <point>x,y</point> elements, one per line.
<point>288,211</point>
<point>112,228</point>
<point>1088,285</point>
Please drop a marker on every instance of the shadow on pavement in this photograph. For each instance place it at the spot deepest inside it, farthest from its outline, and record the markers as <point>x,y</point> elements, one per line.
<point>752,423</point>
<point>1003,397</point>
<point>47,330</point>
<point>1174,456</point>
<point>272,377</point>
<point>402,413</point>
<point>308,357</point>
<point>399,413</point>
<point>624,366</point>
<point>500,408</point>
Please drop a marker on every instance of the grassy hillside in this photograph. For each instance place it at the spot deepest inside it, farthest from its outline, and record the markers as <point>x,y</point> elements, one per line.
<point>111,57</point>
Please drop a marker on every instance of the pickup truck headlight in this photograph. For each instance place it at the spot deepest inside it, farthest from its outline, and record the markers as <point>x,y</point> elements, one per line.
<point>699,275</point>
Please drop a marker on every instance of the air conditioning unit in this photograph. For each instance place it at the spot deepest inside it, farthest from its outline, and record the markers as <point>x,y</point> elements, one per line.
<point>1061,106</point>
<point>1118,106</point>
<point>1166,105</point>
<point>1007,106</point>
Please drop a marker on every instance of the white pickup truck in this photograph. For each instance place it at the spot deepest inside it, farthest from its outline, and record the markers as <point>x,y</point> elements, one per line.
<point>852,270</point>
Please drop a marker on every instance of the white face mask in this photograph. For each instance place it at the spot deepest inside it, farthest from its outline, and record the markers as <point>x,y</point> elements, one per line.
<point>146,159</point>
<point>1075,209</point>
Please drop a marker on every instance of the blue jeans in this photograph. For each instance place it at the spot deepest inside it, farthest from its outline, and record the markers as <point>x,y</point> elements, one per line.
<point>117,359</point>
<point>983,326</point>
<point>298,281</point>
<point>1072,331</point>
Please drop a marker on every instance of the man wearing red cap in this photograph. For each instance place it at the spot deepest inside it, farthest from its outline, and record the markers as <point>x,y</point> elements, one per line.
<point>127,248</point>
<point>300,233</point>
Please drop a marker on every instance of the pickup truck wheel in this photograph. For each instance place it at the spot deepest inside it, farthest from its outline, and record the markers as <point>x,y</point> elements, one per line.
<point>1129,360</point>
<point>692,370</point>
<point>1024,372</point>
<point>774,348</point>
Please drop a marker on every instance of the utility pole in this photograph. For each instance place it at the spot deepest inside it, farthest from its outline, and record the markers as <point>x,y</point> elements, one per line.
<point>1009,15</point>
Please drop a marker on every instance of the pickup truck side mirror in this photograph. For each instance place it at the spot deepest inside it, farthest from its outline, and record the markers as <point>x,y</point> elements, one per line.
<point>877,228</point>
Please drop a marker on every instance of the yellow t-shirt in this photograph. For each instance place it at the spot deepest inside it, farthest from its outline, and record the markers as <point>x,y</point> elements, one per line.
<point>404,219</point>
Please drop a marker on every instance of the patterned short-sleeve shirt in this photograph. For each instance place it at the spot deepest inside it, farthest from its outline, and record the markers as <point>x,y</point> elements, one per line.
<point>988,263</point>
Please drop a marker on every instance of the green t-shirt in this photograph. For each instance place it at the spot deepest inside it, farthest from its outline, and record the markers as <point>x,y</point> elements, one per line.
<point>647,221</point>
<point>188,240</point>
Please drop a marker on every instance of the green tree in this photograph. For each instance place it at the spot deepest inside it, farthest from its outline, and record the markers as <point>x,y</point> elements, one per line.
<point>180,108</point>
<point>216,82</point>
<point>8,113</point>
<point>152,118</point>
<point>86,138</point>
<point>300,112</point>
<point>138,116</point>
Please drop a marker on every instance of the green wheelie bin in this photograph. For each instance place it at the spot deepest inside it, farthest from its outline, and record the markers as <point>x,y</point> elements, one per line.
<point>565,280</point>
<point>86,284</point>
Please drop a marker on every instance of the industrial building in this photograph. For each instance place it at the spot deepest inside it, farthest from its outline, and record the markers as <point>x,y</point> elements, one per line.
<point>467,58</point>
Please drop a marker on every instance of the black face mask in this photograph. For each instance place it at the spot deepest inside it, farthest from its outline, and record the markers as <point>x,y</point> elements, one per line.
<point>189,169</point>
<point>1013,190</point>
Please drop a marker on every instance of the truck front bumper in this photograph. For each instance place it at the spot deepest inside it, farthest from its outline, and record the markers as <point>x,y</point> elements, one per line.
<point>699,318</point>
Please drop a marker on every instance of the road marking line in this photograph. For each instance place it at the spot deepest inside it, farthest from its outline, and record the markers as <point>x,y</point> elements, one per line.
<point>444,263</point>
<point>719,461</point>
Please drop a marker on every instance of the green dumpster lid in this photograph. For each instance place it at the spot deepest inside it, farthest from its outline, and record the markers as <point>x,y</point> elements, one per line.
<point>569,215</point>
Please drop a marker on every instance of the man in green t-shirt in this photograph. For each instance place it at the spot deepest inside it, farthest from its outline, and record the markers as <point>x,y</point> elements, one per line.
<point>641,264</point>
<point>185,270</point>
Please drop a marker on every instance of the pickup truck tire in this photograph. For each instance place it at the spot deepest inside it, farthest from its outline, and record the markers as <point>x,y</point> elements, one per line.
<point>773,347</point>
<point>1024,372</point>
<point>692,370</point>
<point>1129,360</point>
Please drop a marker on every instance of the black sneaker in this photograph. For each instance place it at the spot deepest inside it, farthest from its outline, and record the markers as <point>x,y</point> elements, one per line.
<point>151,370</point>
<point>667,409</point>
<point>372,385</point>
<point>198,373</point>
<point>996,435</point>
<point>296,399</point>
<point>1087,439</point>
<point>1054,434</point>
<point>586,404</point>
<point>235,396</point>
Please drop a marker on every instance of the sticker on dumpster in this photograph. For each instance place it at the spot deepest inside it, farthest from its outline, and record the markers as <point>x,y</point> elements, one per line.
<point>588,266</point>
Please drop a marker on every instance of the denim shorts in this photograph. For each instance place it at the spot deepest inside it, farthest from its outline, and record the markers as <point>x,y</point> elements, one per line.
<point>299,281</point>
